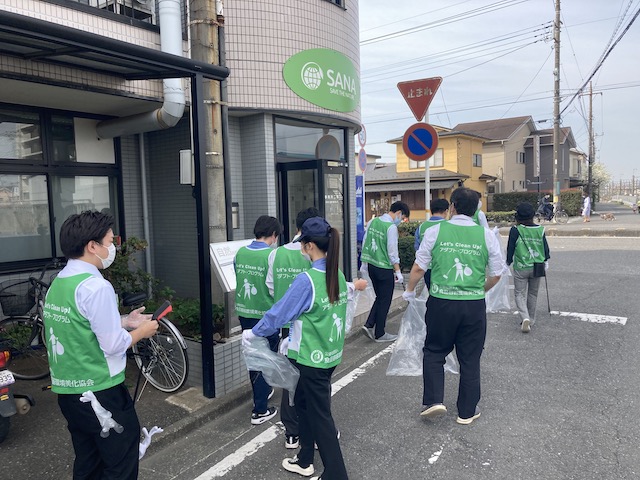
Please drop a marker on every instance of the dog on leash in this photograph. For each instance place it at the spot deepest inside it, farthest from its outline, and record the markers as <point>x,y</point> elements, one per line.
<point>608,216</point>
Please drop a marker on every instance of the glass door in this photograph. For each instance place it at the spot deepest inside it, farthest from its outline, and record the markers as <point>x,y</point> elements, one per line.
<point>320,184</point>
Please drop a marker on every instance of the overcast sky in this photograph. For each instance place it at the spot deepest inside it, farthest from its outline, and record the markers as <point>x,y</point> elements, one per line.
<point>497,61</point>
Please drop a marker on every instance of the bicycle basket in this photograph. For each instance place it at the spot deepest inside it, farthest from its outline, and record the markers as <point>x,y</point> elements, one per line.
<point>16,298</point>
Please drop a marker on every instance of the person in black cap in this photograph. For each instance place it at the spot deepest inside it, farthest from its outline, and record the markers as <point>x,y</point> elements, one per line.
<point>527,244</point>
<point>316,306</point>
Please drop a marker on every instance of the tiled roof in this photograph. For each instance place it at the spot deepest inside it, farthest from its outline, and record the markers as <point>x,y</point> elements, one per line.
<point>501,129</point>
<point>388,173</point>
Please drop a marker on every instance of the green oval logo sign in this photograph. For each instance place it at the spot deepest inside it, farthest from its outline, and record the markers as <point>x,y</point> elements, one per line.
<point>325,78</point>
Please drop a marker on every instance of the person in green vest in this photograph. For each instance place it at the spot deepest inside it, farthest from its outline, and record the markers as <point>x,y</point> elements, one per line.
<point>439,209</point>
<point>285,263</point>
<point>527,244</point>
<point>87,341</point>
<point>316,307</point>
<point>381,261</point>
<point>479,218</point>
<point>458,252</point>
<point>253,300</point>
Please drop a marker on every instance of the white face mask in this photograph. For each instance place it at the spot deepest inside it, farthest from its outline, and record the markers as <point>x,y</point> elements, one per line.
<point>305,255</point>
<point>106,262</point>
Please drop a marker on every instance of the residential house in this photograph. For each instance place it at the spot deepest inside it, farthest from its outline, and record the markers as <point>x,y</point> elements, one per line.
<point>456,162</point>
<point>503,153</point>
<point>539,176</point>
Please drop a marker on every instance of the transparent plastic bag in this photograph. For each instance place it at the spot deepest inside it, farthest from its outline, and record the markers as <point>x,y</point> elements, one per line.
<point>359,296</point>
<point>497,299</point>
<point>406,358</point>
<point>276,369</point>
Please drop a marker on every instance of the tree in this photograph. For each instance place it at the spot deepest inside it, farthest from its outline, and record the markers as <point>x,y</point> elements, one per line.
<point>600,176</point>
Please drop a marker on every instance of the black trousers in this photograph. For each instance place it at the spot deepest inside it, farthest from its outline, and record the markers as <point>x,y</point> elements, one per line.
<point>459,323</point>
<point>313,404</point>
<point>97,458</point>
<point>383,282</point>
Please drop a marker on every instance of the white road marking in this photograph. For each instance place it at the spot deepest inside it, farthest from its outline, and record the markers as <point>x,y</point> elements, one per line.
<point>436,455</point>
<point>592,317</point>
<point>223,467</point>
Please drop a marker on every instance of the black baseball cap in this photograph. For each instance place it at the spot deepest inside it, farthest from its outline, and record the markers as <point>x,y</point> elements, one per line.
<point>314,227</point>
<point>524,211</point>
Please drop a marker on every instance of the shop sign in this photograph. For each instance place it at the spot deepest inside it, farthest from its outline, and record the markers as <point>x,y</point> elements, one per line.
<point>325,78</point>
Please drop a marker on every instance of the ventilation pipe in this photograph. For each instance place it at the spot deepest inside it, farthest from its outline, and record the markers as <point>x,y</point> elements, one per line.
<point>172,109</point>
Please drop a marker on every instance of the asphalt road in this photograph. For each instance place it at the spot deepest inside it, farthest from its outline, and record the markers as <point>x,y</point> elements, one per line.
<point>558,403</point>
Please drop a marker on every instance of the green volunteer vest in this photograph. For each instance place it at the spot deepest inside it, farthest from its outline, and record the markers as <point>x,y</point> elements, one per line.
<point>476,217</point>
<point>529,247</point>
<point>374,250</point>
<point>458,262</point>
<point>317,338</point>
<point>287,265</point>
<point>426,224</point>
<point>252,295</point>
<point>76,361</point>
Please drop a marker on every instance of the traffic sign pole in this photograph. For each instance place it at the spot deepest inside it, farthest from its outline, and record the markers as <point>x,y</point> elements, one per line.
<point>427,185</point>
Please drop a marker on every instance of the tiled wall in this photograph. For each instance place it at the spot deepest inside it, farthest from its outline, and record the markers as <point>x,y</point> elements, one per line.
<point>90,23</point>
<point>262,35</point>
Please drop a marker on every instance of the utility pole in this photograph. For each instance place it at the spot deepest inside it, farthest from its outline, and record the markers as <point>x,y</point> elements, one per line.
<point>556,106</point>
<point>591,145</point>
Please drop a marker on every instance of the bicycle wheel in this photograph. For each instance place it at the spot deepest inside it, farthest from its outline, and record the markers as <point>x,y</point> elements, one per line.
<point>163,358</point>
<point>537,218</point>
<point>23,336</point>
<point>561,217</point>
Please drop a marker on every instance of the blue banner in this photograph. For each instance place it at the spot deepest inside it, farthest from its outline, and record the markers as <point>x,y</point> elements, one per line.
<point>359,208</point>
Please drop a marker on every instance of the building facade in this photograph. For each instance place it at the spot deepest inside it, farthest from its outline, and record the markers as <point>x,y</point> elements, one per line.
<point>105,112</point>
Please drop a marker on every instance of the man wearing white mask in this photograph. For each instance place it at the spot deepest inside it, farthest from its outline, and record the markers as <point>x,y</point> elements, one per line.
<point>380,258</point>
<point>91,341</point>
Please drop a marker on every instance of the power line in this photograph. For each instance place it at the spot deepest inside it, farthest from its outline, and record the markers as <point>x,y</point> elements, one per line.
<point>454,18</point>
<point>601,61</point>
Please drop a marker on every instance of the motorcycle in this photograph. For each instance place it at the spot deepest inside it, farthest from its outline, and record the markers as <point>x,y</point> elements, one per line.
<point>10,402</point>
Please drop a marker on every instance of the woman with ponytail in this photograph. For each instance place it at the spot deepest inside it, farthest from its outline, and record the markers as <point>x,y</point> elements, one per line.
<point>316,306</point>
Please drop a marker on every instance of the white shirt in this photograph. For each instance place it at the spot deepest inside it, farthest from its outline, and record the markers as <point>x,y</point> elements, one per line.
<point>496,262</point>
<point>96,300</point>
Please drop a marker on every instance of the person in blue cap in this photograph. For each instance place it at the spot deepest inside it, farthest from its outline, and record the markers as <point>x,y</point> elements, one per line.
<point>316,306</point>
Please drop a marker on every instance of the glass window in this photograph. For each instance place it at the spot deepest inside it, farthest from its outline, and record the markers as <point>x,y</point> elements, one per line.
<point>24,218</point>
<point>477,160</point>
<point>77,194</point>
<point>20,136</point>
<point>300,140</point>
<point>436,160</point>
<point>62,139</point>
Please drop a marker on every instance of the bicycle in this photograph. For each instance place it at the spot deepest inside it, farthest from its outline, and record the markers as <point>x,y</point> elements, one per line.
<point>162,359</point>
<point>23,328</point>
<point>558,216</point>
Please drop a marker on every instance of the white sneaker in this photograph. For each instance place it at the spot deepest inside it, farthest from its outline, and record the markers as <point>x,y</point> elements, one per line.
<point>292,465</point>
<point>468,421</point>
<point>526,326</point>
<point>433,411</point>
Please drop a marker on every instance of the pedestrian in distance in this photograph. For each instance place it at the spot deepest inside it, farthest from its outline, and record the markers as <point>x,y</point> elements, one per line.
<point>253,300</point>
<point>479,218</point>
<point>527,244</point>
<point>90,340</point>
<point>586,207</point>
<point>456,311</point>
<point>381,261</point>
<point>439,210</point>
<point>316,306</point>
<point>285,263</point>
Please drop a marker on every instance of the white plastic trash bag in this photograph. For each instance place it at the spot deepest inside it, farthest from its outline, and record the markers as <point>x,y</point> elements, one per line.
<point>497,299</point>
<point>276,369</point>
<point>406,358</point>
